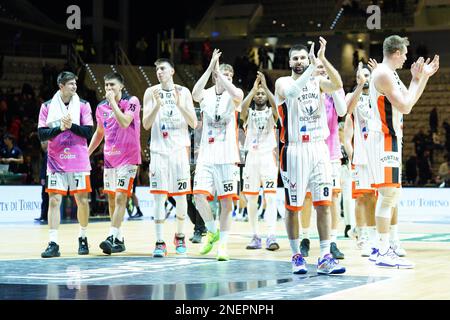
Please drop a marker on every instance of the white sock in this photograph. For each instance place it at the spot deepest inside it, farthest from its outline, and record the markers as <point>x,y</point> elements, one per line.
<point>119,234</point>
<point>223,239</point>
<point>324,248</point>
<point>159,232</point>
<point>333,235</point>
<point>383,244</point>
<point>53,235</point>
<point>372,233</point>
<point>362,232</point>
<point>295,246</point>
<point>305,233</point>
<point>82,233</point>
<point>271,213</point>
<point>211,226</point>
<point>394,232</point>
<point>113,231</point>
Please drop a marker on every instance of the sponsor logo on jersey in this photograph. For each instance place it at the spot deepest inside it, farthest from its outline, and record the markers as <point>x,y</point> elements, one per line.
<point>67,155</point>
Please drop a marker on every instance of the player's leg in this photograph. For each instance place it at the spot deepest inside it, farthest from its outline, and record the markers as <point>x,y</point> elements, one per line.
<point>306,224</point>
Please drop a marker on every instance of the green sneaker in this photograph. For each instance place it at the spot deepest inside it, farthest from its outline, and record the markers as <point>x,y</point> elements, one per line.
<point>222,254</point>
<point>210,239</point>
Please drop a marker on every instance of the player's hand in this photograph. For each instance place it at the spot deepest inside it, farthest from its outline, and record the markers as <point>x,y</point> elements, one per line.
<point>215,58</point>
<point>256,83</point>
<point>262,79</point>
<point>157,96</point>
<point>178,101</point>
<point>312,55</point>
<point>430,68</point>
<point>417,68</point>
<point>360,78</point>
<point>110,96</point>
<point>373,64</point>
<point>323,45</point>
<point>67,121</point>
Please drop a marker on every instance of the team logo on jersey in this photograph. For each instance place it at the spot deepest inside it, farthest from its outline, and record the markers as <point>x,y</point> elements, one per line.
<point>310,111</point>
<point>365,133</point>
<point>66,154</point>
<point>153,173</point>
<point>53,183</point>
<point>293,186</point>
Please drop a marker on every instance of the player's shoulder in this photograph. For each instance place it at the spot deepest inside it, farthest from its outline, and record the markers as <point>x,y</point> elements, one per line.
<point>47,103</point>
<point>101,103</point>
<point>84,101</point>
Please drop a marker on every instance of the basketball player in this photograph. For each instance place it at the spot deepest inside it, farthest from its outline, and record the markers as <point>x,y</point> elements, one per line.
<point>168,111</point>
<point>390,99</point>
<point>305,158</point>
<point>118,121</point>
<point>66,122</point>
<point>260,165</point>
<point>335,106</point>
<point>355,141</point>
<point>216,171</point>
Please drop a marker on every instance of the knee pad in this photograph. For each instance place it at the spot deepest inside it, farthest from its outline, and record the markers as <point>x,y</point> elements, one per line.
<point>389,196</point>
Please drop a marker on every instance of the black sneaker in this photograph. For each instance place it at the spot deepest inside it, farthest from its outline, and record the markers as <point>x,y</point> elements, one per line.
<point>119,246</point>
<point>334,250</point>
<point>107,245</point>
<point>197,237</point>
<point>346,230</point>
<point>136,216</point>
<point>304,247</point>
<point>51,251</point>
<point>83,247</point>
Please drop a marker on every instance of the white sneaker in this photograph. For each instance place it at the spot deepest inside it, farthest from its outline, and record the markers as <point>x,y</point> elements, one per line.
<point>354,233</point>
<point>391,260</point>
<point>361,243</point>
<point>373,255</point>
<point>366,249</point>
<point>396,246</point>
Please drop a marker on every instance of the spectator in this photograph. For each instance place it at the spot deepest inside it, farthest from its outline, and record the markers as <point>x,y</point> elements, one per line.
<point>443,178</point>
<point>42,178</point>
<point>433,120</point>
<point>141,52</point>
<point>419,143</point>
<point>446,127</point>
<point>11,154</point>
<point>27,168</point>
<point>411,170</point>
<point>424,165</point>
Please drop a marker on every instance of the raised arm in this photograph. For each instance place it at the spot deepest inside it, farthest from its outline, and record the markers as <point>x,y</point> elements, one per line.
<point>334,82</point>
<point>248,100</point>
<point>197,91</point>
<point>348,136</point>
<point>270,96</point>
<point>404,100</point>
<point>352,98</point>
<point>339,102</point>
<point>236,94</point>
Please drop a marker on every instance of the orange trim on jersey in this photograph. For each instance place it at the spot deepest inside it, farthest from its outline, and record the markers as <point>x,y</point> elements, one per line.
<point>281,113</point>
<point>387,142</point>
<point>234,196</point>
<point>292,208</point>
<point>282,159</point>
<point>270,191</point>
<point>250,193</point>
<point>207,193</point>
<point>109,192</point>
<point>382,110</point>
<point>388,175</point>
<point>87,189</point>
<point>179,193</point>
<point>129,193</point>
<point>324,203</point>
<point>56,191</point>
<point>159,192</point>
<point>382,185</point>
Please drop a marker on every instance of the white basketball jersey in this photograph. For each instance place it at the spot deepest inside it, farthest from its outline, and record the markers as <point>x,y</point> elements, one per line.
<point>170,130</point>
<point>260,131</point>
<point>387,118</point>
<point>361,116</point>
<point>304,119</point>
<point>219,144</point>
